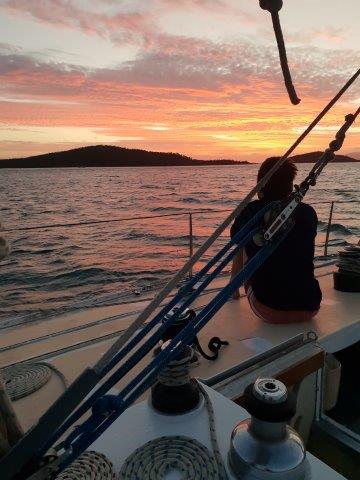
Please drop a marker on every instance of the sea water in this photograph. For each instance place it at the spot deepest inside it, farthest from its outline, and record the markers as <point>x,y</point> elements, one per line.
<point>54,270</point>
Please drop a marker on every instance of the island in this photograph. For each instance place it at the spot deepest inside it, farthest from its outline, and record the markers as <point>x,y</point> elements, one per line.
<point>112,156</point>
<point>312,157</point>
<point>109,156</point>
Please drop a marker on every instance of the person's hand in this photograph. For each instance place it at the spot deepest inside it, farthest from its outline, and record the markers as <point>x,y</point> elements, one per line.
<point>236,294</point>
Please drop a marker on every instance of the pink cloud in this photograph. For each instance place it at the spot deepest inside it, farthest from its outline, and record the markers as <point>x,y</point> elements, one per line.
<point>138,26</point>
<point>129,27</point>
<point>187,67</point>
<point>220,97</point>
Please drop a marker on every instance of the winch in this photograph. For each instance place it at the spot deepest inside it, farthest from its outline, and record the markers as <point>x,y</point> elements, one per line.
<point>176,392</point>
<point>264,447</point>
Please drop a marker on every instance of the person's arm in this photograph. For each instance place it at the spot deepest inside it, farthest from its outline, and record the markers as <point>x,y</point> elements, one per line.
<point>237,265</point>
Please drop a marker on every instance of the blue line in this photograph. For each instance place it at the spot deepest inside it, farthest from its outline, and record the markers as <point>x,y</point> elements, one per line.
<point>240,238</point>
<point>162,359</point>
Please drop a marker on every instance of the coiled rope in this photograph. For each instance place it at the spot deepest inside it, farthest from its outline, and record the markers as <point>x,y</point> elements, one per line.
<point>349,260</point>
<point>156,458</point>
<point>23,379</point>
<point>189,457</point>
<point>89,466</point>
<point>177,372</point>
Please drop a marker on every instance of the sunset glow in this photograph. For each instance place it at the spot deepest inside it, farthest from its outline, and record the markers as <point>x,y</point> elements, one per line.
<point>198,77</point>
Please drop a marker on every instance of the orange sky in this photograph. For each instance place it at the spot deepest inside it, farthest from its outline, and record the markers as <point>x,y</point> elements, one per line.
<point>197,77</point>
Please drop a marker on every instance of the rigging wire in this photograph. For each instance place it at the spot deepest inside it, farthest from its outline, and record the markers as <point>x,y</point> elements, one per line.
<point>127,219</point>
<point>83,436</point>
<point>206,245</point>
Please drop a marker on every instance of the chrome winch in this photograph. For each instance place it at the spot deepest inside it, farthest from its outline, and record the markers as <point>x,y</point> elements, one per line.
<point>264,447</point>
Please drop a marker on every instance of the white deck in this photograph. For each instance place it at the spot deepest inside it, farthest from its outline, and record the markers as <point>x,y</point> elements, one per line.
<point>145,424</point>
<point>76,341</point>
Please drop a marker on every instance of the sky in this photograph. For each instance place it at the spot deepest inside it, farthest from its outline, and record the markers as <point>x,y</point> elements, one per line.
<point>198,77</point>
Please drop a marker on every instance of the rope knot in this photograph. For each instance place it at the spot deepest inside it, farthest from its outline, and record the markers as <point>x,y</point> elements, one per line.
<point>349,117</point>
<point>214,346</point>
<point>271,6</point>
<point>216,343</point>
<point>336,144</point>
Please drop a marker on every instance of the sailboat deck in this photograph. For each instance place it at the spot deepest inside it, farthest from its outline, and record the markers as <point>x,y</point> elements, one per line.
<point>73,342</point>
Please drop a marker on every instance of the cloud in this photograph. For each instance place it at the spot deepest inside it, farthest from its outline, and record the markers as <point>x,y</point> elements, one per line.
<point>187,67</point>
<point>120,27</point>
<point>135,23</point>
<point>171,61</point>
<point>189,95</point>
<point>321,129</point>
<point>158,127</point>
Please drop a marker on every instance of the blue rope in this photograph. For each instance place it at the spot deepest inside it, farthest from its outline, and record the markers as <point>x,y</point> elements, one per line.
<point>240,239</point>
<point>148,376</point>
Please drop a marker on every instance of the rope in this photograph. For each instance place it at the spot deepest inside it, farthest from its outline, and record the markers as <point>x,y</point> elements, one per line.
<point>140,320</point>
<point>89,466</point>
<point>329,153</point>
<point>214,345</point>
<point>349,260</point>
<point>189,457</point>
<point>25,378</point>
<point>108,220</point>
<point>177,372</point>
<point>273,6</point>
<point>156,458</point>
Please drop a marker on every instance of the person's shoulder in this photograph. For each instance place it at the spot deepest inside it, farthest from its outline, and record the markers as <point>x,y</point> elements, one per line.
<point>250,209</point>
<point>306,214</point>
<point>307,209</point>
<point>254,206</point>
<point>245,215</point>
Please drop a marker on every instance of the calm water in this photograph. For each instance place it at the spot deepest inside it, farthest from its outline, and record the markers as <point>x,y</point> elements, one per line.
<point>54,270</point>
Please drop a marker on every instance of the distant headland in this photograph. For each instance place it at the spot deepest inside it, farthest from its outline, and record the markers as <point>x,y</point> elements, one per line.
<point>312,157</point>
<point>111,156</point>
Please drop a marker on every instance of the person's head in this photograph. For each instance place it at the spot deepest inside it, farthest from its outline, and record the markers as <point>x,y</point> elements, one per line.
<point>281,183</point>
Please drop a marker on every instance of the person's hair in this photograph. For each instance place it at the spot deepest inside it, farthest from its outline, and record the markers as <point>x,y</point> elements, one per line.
<point>280,184</point>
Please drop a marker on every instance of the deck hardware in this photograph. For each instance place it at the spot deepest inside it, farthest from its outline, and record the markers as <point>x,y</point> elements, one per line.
<point>265,446</point>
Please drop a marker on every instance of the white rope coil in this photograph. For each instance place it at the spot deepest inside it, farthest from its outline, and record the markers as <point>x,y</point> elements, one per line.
<point>156,458</point>
<point>89,466</point>
<point>177,372</point>
<point>189,457</point>
<point>23,379</point>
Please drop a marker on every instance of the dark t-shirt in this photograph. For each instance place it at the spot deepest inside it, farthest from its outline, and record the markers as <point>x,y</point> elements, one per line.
<point>286,280</point>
